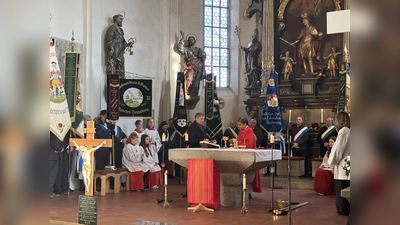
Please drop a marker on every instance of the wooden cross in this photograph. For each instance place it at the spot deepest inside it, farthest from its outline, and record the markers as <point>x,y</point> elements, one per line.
<point>90,142</point>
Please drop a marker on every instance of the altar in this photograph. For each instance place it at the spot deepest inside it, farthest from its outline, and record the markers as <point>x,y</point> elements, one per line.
<point>232,163</point>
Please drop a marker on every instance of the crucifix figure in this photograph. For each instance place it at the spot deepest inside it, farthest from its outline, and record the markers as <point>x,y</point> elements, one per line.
<point>88,154</point>
<point>87,166</point>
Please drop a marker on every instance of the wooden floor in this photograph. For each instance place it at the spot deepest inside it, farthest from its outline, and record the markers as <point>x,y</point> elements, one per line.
<point>141,208</point>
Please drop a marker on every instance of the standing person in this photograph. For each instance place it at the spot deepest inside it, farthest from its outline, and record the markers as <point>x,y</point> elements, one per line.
<point>115,47</point>
<point>329,130</point>
<point>197,132</point>
<point>163,129</point>
<point>231,132</point>
<point>340,150</point>
<point>139,128</point>
<point>153,134</point>
<point>247,137</point>
<point>309,45</point>
<point>132,159</point>
<point>194,58</point>
<point>299,136</point>
<point>253,60</point>
<point>56,146</point>
<point>119,143</point>
<point>103,131</point>
<point>257,131</point>
<point>61,184</point>
<point>323,179</point>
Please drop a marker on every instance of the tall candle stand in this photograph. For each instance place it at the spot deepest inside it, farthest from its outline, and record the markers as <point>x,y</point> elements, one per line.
<point>166,201</point>
<point>244,208</point>
<point>272,171</point>
<point>159,200</point>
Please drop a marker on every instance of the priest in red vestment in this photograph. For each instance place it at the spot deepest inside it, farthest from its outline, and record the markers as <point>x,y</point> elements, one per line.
<point>247,137</point>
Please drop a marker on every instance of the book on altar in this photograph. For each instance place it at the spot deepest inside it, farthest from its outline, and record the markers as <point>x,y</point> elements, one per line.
<point>206,144</point>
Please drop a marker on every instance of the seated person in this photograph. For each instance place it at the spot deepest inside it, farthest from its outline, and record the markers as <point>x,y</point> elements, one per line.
<point>132,159</point>
<point>151,159</point>
<point>323,179</point>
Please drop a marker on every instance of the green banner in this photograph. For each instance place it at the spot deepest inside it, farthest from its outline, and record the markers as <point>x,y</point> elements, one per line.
<point>342,86</point>
<point>71,65</point>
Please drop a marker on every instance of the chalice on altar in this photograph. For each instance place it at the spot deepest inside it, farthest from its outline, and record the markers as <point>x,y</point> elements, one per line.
<point>225,138</point>
<point>234,141</point>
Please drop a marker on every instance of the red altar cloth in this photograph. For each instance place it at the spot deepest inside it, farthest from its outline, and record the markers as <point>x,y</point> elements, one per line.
<point>203,183</point>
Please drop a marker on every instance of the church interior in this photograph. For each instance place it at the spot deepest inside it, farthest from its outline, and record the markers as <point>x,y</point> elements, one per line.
<point>246,42</point>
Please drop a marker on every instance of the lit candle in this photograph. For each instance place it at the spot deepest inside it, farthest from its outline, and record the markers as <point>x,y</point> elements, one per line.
<point>290,139</point>
<point>290,116</point>
<point>163,137</point>
<point>186,136</point>
<point>271,139</point>
<point>244,181</point>
<point>322,115</point>
<point>165,177</point>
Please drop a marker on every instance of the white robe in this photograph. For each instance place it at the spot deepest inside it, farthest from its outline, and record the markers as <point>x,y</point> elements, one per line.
<point>155,137</point>
<point>132,159</point>
<point>151,160</point>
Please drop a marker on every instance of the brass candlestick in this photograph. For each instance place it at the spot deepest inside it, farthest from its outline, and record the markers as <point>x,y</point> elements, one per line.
<point>166,203</point>
<point>225,138</point>
<point>244,208</point>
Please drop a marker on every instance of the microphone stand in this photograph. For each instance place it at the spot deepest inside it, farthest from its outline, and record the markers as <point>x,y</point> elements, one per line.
<point>289,180</point>
<point>159,200</point>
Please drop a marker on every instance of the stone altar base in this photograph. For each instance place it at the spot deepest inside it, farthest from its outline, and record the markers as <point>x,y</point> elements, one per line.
<point>231,189</point>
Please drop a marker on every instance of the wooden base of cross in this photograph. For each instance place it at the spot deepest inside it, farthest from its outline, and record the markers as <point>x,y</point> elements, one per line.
<point>90,142</point>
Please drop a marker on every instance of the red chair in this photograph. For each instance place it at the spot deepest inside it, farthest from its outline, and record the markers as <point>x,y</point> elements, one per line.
<point>136,180</point>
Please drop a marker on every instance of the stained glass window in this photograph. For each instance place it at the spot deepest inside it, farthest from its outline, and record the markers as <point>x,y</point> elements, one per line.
<point>216,40</point>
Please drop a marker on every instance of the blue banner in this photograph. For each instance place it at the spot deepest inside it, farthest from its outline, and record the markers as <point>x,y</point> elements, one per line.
<point>271,120</point>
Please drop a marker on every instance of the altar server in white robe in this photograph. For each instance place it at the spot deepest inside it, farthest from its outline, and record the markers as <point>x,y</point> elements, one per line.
<point>153,134</point>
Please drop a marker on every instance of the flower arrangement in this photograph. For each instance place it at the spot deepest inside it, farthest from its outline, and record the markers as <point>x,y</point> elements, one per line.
<point>346,166</point>
<point>315,126</point>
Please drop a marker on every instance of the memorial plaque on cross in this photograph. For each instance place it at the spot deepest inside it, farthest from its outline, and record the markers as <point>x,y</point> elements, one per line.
<point>90,143</point>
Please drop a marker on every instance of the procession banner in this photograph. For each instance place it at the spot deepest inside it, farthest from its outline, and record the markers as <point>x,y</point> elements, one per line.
<point>180,112</point>
<point>135,98</point>
<point>342,86</point>
<point>213,116</point>
<point>113,97</point>
<point>60,121</point>
<point>271,120</point>
<point>73,92</point>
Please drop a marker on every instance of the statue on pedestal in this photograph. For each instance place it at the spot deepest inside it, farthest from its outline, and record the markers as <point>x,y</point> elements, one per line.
<point>253,60</point>
<point>194,58</point>
<point>309,45</point>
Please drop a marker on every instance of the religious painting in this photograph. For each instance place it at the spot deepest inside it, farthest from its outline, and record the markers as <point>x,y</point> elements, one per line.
<point>304,48</point>
<point>135,98</point>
